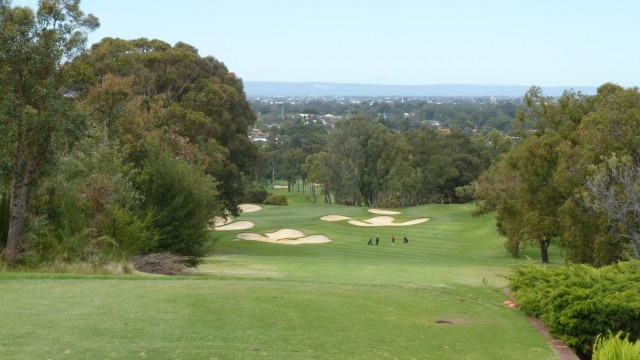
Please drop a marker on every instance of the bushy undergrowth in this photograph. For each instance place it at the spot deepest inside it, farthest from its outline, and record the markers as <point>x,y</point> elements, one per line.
<point>579,302</point>
<point>276,199</point>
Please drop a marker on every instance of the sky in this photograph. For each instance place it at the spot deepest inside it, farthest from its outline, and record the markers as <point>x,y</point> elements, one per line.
<point>400,42</point>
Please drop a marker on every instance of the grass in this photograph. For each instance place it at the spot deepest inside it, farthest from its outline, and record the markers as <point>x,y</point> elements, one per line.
<point>341,300</point>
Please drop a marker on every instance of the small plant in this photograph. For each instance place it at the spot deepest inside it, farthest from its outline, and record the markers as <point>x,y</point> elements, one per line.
<point>614,347</point>
<point>280,200</point>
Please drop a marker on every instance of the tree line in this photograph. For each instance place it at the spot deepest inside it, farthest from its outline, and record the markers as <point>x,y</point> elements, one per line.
<point>129,148</point>
<point>362,162</point>
<point>573,177</point>
<point>468,115</point>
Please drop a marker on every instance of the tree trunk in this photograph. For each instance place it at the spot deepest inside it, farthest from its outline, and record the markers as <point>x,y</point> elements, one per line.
<point>635,241</point>
<point>273,174</point>
<point>544,250</point>
<point>19,190</point>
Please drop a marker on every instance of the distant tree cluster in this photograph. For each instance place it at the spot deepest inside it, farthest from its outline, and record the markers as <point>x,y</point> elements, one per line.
<point>468,115</point>
<point>362,162</point>
<point>129,148</point>
<point>572,178</point>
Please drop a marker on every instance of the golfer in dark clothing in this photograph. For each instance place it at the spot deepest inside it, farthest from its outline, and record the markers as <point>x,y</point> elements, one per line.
<point>377,238</point>
<point>370,241</point>
<point>405,240</point>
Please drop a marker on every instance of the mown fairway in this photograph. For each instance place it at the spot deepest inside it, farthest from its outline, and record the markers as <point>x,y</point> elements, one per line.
<point>253,300</point>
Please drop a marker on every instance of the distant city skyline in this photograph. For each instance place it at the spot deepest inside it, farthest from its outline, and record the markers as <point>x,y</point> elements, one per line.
<point>491,42</point>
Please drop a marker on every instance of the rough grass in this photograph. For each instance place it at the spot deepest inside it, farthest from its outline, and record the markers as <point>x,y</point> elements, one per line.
<point>439,297</point>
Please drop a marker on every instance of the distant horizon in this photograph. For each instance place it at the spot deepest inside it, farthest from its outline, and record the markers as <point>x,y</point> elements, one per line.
<point>380,42</point>
<point>319,88</point>
<point>422,84</point>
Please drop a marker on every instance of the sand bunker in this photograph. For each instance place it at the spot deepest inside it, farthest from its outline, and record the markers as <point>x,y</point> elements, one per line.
<point>374,221</point>
<point>236,225</point>
<point>220,221</point>
<point>227,223</point>
<point>285,236</point>
<point>249,208</point>
<point>384,212</point>
<point>280,187</point>
<point>335,218</point>
<point>386,221</point>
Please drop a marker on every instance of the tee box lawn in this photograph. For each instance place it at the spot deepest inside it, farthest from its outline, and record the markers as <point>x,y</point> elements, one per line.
<point>437,297</point>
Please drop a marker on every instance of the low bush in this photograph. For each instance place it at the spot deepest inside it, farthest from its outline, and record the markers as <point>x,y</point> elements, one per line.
<point>579,302</point>
<point>255,196</point>
<point>276,199</point>
<point>163,263</point>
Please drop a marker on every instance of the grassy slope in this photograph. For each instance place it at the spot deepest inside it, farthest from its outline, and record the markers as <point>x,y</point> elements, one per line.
<point>343,300</point>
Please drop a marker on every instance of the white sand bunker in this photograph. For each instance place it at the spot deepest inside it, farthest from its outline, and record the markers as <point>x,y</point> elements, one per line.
<point>249,208</point>
<point>375,221</point>
<point>386,221</point>
<point>236,225</point>
<point>285,236</point>
<point>384,212</point>
<point>227,223</point>
<point>334,218</point>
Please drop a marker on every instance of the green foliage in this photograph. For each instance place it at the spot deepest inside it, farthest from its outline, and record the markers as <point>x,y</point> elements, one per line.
<point>132,234</point>
<point>276,199</point>
<point>554,183</point>
<point>182,199</point>
<point>191,106</point>
<point>614,347</point>
<point>255,195</point>
<point>45,244</point>
<point>579,302</point>
<point>36,116</point>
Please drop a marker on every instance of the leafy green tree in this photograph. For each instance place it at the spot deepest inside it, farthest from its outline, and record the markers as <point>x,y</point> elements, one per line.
<point>402,185</point>
<point>192,106</point>
<point>35,112</point>
<point>606,131</point>
<point>182,198</point>
<point>529,209</point>
<point>356,146</point>
<point>495,191</point>
<point>319,171</point>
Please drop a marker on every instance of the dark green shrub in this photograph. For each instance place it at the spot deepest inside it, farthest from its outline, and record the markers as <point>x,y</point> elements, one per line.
<point>255,196</point>
<point>276,199</point>
<point>579,302</point>
<point>182,199</point>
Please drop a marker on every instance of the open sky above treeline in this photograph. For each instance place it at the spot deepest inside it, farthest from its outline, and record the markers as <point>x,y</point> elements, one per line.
<point>493,42</point>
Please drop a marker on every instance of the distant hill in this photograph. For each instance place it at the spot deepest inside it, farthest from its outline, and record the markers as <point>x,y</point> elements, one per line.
<point>267,88</point>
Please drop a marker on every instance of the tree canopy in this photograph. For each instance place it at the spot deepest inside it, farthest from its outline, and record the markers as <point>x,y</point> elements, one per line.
<point>568,176</point>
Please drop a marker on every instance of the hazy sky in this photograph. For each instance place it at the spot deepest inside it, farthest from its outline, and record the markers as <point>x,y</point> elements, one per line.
<point>494,42</point>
